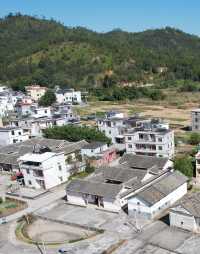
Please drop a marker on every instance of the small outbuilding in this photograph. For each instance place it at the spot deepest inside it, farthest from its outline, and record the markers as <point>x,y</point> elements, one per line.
<point>186,214</point>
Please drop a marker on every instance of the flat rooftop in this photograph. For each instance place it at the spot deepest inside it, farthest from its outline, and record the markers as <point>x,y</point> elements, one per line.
<point>37,157</point>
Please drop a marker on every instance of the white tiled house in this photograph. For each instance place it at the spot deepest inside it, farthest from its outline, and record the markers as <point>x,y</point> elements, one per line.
<point>43,170</point>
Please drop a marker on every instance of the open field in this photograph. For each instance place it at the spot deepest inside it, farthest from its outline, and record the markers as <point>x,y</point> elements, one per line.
<point>176,116</point>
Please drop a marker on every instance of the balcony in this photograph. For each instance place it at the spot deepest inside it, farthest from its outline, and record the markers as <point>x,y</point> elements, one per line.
<point>32,167</point>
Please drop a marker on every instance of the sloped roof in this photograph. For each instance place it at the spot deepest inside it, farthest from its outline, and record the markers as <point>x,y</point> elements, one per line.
<point>9,154</point>
<point>191,203</point>
<point>93,188</point>
<point>143,162</point>
<point>123,174</point>
<point>163,187</point>
<point>94,145</point>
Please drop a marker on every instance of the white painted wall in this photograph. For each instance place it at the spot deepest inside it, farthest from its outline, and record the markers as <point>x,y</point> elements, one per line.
<point>51,172</point>
<point>93,152</point>
<point>152,211</point>
<point>164,143</point>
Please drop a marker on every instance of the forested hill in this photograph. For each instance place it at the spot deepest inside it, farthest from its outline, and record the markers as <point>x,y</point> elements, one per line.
<point>48,53</point>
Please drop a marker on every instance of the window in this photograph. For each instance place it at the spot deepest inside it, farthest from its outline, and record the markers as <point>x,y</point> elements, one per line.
<point>20,133</point>
<point>160,148</point>
<point>61,178</point>
<point>182,223</point>
<point>129,138</point>
<point>27,171</point>
<point>159,139</point>
<point>60,167</point>
<point>138,203</point>
<point>12,132</point>
<point>29,182</point>
<point>129,146</point>
<point>109,132</point>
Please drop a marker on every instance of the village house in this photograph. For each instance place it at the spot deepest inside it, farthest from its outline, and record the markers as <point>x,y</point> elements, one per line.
<point>68,96</point>
<point>35,91</point>
<point>117,186</point>
<point>151,138</point>
<point>151,202</point>
<point>9,154</point>
<point>98,153</point>
<point>12,135</point>
<point>195,119</point>
<point>186,213</point>
<point>43,170</point>
<point>115,128</point>
<point>38,112</point>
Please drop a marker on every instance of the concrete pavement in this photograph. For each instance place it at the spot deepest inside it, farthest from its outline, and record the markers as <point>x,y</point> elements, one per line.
<point>36,204</point>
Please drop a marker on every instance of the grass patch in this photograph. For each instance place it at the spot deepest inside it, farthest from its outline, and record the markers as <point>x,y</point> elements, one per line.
<point>79,175</point>
<point>11,206</point>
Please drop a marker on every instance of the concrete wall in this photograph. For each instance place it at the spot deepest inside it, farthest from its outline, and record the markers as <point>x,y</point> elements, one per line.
<point>164,143</point>
<point>195,119</point>
<point>93,152</point>
<point>142,207</point>
<point>184,221</point>
<point>53,175</point>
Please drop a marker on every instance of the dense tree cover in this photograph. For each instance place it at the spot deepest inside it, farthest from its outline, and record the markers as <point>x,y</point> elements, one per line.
<point>127,93</point>
<point>194,138</point>
<point>47,99</point>
<point>48,53</point>
<point>76,133</point>
<point>184,164</point>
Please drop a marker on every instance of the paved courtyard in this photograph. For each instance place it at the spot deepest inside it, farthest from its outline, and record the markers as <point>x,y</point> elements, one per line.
<point>74,214</point>
<point>155,238</point>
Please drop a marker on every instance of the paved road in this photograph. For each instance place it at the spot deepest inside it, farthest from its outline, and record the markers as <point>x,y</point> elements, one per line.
<point>42,201</point>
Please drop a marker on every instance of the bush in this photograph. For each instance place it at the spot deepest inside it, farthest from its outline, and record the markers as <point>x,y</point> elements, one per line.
<point>184,164</point>
<point>194,138</point>
<point>89,169</point>
<point>47,99</point>
<point>76,133</point>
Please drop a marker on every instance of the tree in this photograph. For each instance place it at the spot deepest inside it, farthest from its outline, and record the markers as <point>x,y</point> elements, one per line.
<point>76,133</point>
<point>184,165</point>
<point>194,138</point>
<point>47,99</point>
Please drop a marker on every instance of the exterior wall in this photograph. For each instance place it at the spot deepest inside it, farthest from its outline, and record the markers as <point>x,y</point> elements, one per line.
<point>181,220</point>
<point>93,152</point>
<point>153,143</point>
<point>36,92</point>
<point>108,204</point>
<point>75,198</point>
<point>7,138</point>
<point>52,175</point>
<point>71,96</point>
<point>107,157</point>
<point>195,119</point>
<point>112,128</point>
<point>150,212</point>
<point>42,112</point>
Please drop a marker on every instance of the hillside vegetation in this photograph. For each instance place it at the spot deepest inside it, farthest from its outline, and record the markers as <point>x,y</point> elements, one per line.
<point>34,50</point>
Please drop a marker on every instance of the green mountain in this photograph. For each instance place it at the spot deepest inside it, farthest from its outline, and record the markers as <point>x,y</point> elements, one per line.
<point>46,52</point>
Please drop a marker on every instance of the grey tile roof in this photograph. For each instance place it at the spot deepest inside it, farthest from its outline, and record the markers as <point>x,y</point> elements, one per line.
<point>191,203</point>
<point>143,162</point>
<point>94,145</point>
<point>123,174</point>
<point>72,147</point>
<point>93,188</point>
<point>151,195</point>
<point>9,154</point>
<point>162,187</point>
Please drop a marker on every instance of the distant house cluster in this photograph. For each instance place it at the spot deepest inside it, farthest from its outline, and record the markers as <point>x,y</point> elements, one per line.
<point>25,117</point>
